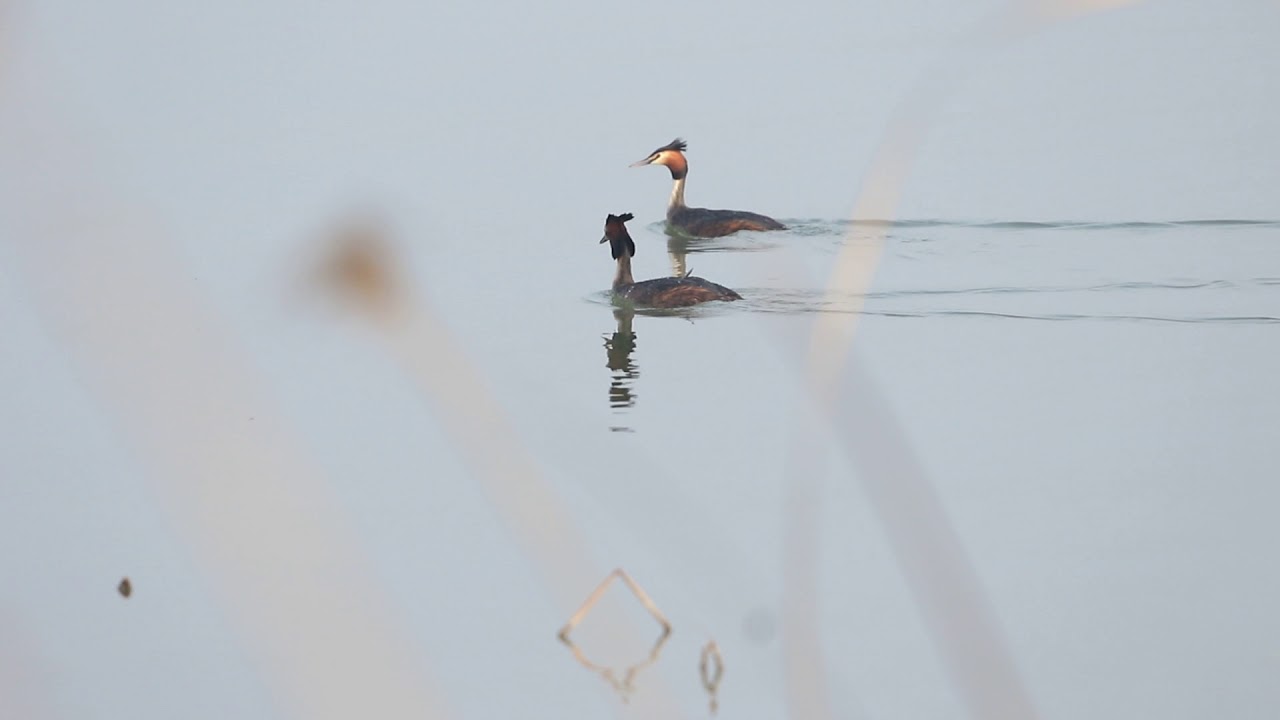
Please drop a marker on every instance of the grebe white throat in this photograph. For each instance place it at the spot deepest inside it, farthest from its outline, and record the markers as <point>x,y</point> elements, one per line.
<point>677,195</point>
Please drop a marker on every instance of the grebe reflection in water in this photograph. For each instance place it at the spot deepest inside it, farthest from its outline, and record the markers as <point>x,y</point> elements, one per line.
<point>618,348</point>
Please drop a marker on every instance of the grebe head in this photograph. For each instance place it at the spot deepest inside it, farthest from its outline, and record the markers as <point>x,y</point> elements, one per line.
<point>615,233</point>
<point>671,155</point>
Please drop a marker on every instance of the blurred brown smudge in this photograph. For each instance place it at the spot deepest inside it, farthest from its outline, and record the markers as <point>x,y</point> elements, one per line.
<point>360,266</point>
<point>125,588</point>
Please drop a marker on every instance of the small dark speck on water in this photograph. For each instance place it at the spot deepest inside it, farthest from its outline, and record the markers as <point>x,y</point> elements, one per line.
<point>125,588</point>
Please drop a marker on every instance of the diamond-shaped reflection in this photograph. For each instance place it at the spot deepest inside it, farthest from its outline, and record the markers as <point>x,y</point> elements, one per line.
<point>623,683</point>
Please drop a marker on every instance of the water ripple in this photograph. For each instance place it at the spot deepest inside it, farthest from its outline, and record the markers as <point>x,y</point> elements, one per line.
<point>1102,287</point>
<point>808,296</point>
<point>1205,320</point>
<point>1041,225</point>
<point>770,307</point>
<point>891,303</point>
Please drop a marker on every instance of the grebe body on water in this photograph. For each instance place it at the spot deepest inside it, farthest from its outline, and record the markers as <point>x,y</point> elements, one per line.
<point>700,222</point>
<point>670,292</point>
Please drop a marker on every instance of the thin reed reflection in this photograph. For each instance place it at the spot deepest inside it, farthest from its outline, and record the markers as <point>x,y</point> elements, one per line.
<point>711,671</point>
<point>622,680</point>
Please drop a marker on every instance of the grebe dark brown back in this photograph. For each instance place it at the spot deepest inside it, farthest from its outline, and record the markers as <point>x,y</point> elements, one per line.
<point>700,222</point>
<point>670,292</point>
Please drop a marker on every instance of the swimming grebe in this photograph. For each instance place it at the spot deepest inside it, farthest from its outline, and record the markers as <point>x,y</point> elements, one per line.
<point>667,292</point>
<point>700,222</point>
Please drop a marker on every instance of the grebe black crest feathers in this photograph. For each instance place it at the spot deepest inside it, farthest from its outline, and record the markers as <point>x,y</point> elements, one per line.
<point>700,222</point>
<point>617,248</point>
<point>670,292</point>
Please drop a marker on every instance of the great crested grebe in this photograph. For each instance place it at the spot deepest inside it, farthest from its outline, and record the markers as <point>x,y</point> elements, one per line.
<point>669,292</point>
<point>700,222</point>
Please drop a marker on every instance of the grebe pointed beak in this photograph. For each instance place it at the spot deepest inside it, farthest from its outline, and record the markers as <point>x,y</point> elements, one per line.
<point>603,240</point>
<point>642,163</point>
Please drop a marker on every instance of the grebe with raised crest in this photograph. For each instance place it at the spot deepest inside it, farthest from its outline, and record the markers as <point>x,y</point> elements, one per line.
<point>668,292</point>
<point>700,222</point>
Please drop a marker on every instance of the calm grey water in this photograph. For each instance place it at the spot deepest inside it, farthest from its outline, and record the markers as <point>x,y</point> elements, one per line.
<point>1075,337</point>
